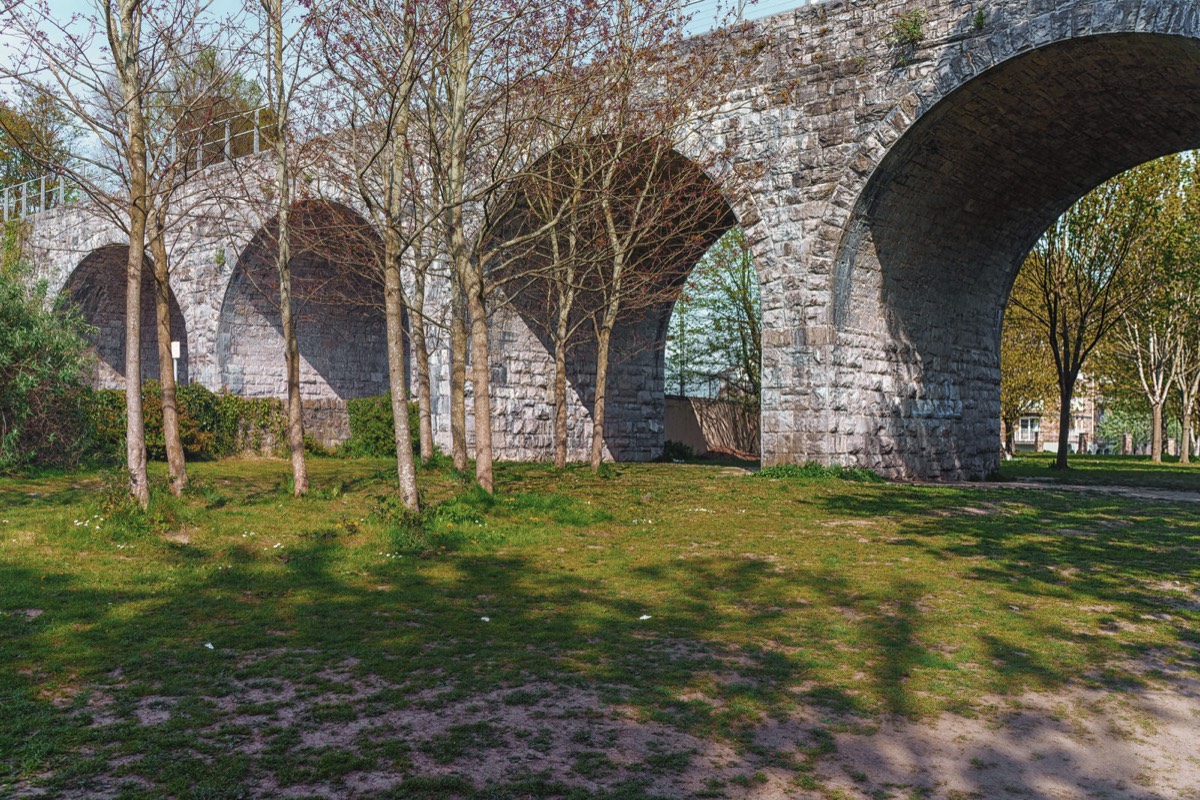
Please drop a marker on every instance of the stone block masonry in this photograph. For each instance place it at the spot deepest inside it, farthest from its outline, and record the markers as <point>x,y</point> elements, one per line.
<point>889,195</point>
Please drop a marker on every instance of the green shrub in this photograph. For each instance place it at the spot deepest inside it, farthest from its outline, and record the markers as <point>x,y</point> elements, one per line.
<point>249,424</point>
<point>106,423</point>
<point>43,361</point>
<point>908,31</point>
<point>315,448</point>
<point>210,425</point>
<point>676,451</point>
<point>198,438</point>
<point>372,433</point>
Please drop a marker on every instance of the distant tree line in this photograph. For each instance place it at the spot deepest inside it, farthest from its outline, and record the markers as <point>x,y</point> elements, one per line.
<point>1113,290</point>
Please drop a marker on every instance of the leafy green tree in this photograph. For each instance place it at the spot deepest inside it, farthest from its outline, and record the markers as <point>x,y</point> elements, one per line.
<point>35,137</point>
<point>1187,308</point>
<point>1147,340</point>
<point>715,335</point>
<point>1124,418</point>
<point>1027,378</point>
<point>1079,281</point>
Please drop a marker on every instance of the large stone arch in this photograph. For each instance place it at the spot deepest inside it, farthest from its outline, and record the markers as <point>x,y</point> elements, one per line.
<point>338,302</point>
<point>523,352</point>
<point>931,245</point>
<point>97,288</point>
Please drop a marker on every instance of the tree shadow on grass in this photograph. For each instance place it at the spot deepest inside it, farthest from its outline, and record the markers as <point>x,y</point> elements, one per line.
<point>337,671</point>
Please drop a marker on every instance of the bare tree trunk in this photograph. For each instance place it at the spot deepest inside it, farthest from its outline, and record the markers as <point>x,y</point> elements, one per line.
<point>458,380</point>
<point>601,396</point>
<point>283,256</point>
<point>1156,432</point>
<point>1010,437</point>
<point>291,355</point>
<point>125,39</point>
<point>560,402</point>
<point>420,353</point>
<point>469,274</point>
<point>135,426</point>
<point>1185,447</point>
<point>1065,393</point>
<point>480,377</point>
<point>176,464</point>
<point>393,303</point>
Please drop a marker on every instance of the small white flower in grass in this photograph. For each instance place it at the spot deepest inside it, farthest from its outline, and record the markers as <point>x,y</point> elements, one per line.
<point>485,619</point>
<point>208,645</point>
<point>644,616</point>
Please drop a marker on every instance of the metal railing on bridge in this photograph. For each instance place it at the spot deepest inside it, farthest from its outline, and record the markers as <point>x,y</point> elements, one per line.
<point>23,200</point>
<point>234,136</point>
<point>246,133</point>
<point>227,138</point>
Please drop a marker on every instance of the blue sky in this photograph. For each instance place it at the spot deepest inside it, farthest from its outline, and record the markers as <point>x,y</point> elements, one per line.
<point>704,10</point>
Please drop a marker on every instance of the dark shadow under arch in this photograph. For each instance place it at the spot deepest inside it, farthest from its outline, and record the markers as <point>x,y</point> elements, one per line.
<point>97,288</point>
<point>338,302</point>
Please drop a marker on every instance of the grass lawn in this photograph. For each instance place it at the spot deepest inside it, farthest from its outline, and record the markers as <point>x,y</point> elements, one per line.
<point>1135,471</point>
<point>660,630</point>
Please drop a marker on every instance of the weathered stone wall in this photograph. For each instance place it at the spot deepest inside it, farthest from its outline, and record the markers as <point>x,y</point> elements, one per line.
<point>888,195</point>
<point>523,391</point>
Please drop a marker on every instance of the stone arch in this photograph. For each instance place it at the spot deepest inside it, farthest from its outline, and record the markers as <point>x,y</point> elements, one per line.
<point>932,242</point>
<point>1008,33</point>
<point>635,404</point>
<point>97,288</point>
<point>338,302</point>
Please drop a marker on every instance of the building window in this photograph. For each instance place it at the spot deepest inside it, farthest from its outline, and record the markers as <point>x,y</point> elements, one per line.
<point>1028,429</point>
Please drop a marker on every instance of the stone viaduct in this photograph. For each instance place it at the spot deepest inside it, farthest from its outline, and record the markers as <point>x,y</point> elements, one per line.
<point>889,195</point>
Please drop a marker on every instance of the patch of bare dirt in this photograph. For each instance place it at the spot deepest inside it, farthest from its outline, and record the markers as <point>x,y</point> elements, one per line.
<point>1077,744</point>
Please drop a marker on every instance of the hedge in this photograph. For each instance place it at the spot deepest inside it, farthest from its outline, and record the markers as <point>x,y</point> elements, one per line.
<point>210,425</point>
<point>372,432</point>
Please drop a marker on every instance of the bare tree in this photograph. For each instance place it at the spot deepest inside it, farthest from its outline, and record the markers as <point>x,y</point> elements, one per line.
<point>279,95</point>
<point>376,52</point>
<point>611,90</point>
<point>659,213</point>
<point>489,109</point>
<point>655,209</point>
<point>550,274</point>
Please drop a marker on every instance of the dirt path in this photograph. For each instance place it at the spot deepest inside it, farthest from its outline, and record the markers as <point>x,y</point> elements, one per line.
<point>1132,492</point>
